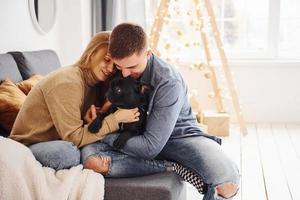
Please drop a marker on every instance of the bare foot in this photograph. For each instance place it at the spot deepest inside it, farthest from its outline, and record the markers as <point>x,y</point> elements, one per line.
<point>99,164</point>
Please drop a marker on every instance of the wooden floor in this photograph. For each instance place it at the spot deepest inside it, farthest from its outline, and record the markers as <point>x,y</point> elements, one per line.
<point>269,162</point>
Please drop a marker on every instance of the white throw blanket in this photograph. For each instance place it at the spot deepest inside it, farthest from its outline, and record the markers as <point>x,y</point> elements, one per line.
<point>22,177</point>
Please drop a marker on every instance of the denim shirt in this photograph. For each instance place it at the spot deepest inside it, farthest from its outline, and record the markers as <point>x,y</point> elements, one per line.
<point>169,112</point>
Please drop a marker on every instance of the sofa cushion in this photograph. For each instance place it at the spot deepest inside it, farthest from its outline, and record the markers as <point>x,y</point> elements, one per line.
<point>162,186</point>
<point>9,68</point>
<point>11,100</point>
<point>26,85</point>
<point>36,62</point>
<point>3,131</point>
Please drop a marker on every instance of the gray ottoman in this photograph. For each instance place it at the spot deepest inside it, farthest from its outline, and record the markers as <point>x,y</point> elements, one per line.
<point>163,186</point>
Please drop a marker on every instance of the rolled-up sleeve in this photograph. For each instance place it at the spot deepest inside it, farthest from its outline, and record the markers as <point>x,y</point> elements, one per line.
<point>64,108</point>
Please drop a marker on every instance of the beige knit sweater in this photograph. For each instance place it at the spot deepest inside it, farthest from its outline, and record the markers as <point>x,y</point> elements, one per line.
<point>54,108</point>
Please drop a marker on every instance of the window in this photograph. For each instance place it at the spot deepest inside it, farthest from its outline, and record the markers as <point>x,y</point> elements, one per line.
<point>289,43</point>
<point>250,29</point>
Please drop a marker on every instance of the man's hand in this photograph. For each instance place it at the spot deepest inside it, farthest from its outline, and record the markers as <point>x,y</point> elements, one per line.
<point>91,114</point>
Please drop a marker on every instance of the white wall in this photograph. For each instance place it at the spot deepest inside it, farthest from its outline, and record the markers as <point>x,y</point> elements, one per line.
<point>268,92</point>
<point>68,37</point>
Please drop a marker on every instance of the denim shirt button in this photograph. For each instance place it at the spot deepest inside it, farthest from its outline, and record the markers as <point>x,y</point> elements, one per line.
<point>147,112</point>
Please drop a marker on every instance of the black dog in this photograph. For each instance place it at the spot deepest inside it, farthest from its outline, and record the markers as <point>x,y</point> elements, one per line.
<point>125,93</point>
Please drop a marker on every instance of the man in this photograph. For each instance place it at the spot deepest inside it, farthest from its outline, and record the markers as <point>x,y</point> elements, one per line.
<point>171,132</point>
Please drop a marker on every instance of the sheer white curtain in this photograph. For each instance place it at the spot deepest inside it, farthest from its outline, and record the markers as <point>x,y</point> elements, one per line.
<point>108,13</point>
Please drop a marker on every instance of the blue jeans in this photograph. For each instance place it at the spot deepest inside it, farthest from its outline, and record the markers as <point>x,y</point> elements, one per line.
<point>206,158</point>
<point>123,165</point>
<point>57,154</point>
<point>200,154</point>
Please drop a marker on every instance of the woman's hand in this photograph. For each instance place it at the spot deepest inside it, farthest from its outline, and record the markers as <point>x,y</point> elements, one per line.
<point>91,114</point>
<point>127,115</point>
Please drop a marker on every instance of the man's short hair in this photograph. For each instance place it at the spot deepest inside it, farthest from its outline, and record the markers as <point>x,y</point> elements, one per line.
<point>127,39</point>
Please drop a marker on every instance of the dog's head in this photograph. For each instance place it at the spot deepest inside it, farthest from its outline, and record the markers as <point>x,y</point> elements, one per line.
<point>128,93</point>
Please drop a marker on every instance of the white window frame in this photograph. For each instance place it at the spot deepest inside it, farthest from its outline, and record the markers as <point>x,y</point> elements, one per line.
<point>274,28</point>
<point>271,54</point>
<point>272,49</point>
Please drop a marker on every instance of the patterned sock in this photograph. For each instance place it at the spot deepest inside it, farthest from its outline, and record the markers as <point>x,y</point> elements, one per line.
<point>190,177</point>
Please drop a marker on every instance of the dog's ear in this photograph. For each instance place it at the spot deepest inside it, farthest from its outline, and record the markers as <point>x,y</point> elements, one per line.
<point>145,89</point>
<point>118,74</point>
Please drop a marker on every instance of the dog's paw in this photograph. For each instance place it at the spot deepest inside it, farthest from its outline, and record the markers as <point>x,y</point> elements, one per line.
<point>94,126</point>
<point>118,144</point>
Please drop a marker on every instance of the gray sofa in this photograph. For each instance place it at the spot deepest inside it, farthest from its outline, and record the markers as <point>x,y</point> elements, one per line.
<point>19,66</point>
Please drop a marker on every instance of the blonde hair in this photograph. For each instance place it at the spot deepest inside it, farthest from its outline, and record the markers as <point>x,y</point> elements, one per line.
<point>96,43</point>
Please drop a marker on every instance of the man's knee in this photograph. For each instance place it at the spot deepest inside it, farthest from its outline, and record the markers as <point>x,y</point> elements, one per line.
<point>227,190</point>
<point>99,164</point>
<point>56,154</point>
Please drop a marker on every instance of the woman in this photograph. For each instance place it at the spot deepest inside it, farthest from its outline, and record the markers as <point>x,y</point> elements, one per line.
<point>51,120</point>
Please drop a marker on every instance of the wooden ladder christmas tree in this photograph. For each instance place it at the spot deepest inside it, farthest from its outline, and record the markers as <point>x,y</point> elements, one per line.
<point>156,29</point>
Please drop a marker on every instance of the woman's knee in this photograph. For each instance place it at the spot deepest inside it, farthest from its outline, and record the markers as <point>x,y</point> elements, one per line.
<point>56,154</point>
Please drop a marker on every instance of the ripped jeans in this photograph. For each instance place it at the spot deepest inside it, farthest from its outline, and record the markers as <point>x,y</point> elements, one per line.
<point>200,154</point>
<point>206,158</point>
